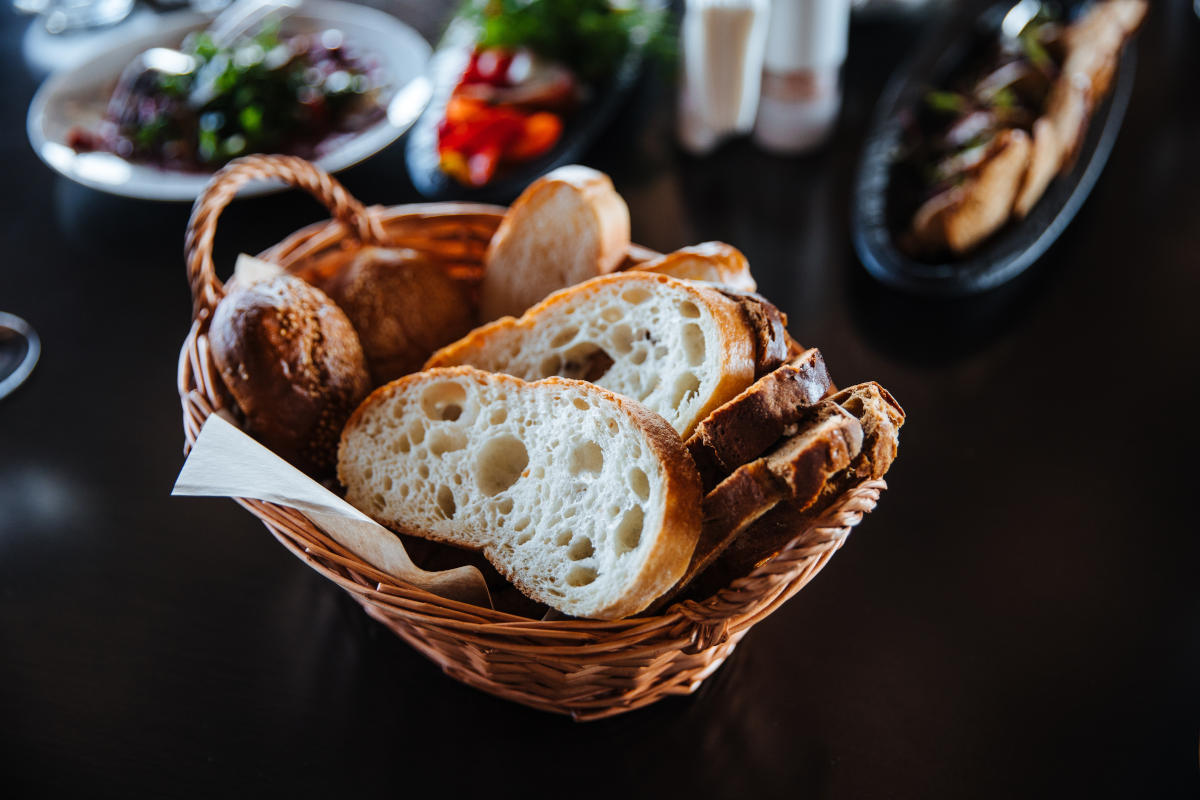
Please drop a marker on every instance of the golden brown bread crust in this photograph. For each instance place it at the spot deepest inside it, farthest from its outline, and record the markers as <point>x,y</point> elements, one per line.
<point>680,528</point>
<point>403,307</point>
<point>771,339</point>
<point>294,366</point>
<point>749,424</point>
<point>797,471</point>
<point>715,262</point>
<point>681,518</point>
<point>881,417</point>
<point>517,270</point>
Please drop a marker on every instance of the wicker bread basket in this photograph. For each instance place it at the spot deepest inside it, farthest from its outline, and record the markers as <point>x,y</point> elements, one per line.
<point>588,669</point>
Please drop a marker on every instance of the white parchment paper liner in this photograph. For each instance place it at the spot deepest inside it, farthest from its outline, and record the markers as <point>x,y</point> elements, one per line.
<point>225,462</point>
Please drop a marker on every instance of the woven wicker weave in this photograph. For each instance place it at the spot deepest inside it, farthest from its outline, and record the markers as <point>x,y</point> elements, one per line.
<point>588,669</point>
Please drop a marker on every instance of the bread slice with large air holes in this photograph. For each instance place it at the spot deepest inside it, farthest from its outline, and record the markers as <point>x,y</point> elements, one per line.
<point>585,500</point>
<point>566,227</point>
<point>679,347</point>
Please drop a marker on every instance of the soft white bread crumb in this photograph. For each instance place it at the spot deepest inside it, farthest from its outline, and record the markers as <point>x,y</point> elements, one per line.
<point>584,500</point>
<point>566,227</point>
<point>678,347</point>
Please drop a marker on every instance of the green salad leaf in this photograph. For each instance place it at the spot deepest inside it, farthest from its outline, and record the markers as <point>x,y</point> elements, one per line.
<point>589,36</point>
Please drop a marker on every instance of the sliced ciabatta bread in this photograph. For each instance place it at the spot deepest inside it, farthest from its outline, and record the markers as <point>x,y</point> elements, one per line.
<point>566,227</point>
<point>679,347</point>
<point>747,426</point>
<point>583,499</point>
<point>715,262</point>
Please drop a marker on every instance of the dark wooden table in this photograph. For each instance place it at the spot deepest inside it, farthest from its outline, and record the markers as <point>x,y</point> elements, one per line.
<point>1020,617</point>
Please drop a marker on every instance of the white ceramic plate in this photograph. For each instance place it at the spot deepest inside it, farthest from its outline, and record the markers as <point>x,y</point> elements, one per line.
<point>78,96</point>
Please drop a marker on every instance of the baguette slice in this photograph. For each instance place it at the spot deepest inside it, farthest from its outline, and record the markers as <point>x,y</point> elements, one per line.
<point>881,418</point>
<point>796,472</point>
<point>749,424</point>
<point>714,262</point>
<point>566,227</point>
<point>583,499</point>
<point>771,339</point>
<point>679,347</point>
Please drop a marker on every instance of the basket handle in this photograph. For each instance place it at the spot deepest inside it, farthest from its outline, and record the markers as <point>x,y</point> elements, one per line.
<point>207,289</point>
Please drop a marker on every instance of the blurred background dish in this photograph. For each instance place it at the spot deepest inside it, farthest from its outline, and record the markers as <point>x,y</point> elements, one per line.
<point>72,128</point>
<point>20,348</point>
<point>60,16</point>
<point>520,88</point>
<point>884,198</point>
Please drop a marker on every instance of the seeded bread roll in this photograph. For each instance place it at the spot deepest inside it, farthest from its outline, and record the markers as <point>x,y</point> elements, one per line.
<point>585,500</point>
<point>294,366</point>
<point>679,347</point>
<point>402,306</point>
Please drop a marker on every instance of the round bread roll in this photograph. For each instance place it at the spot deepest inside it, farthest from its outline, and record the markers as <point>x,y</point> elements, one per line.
<point>403,306</point>
<point>293,364</point>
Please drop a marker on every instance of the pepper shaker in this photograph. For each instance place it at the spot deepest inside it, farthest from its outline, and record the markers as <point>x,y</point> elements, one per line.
<point>801,85</point>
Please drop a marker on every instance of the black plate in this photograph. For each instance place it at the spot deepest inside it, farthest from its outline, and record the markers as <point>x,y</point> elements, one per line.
<point>581,127</point>
<point>1012,249</point>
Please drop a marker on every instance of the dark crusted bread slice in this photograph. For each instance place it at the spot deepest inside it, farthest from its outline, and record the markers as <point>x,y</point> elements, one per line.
<point>881,417</point>
<point>585,500</point>
<point>796,471</point>
<point>679,347</point>
<point>749,424</point>
<point>771,339</point>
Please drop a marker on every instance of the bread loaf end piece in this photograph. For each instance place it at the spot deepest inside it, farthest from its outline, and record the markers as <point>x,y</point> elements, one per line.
<point>294,366</point>
<point>585,500</point>
<point>881,418</point>
<point>566,227</point>
<point>713,262</point>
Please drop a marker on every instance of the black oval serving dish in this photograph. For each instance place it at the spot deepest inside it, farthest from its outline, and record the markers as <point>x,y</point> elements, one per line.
<point>875,219</point>
<point>580,128</point>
